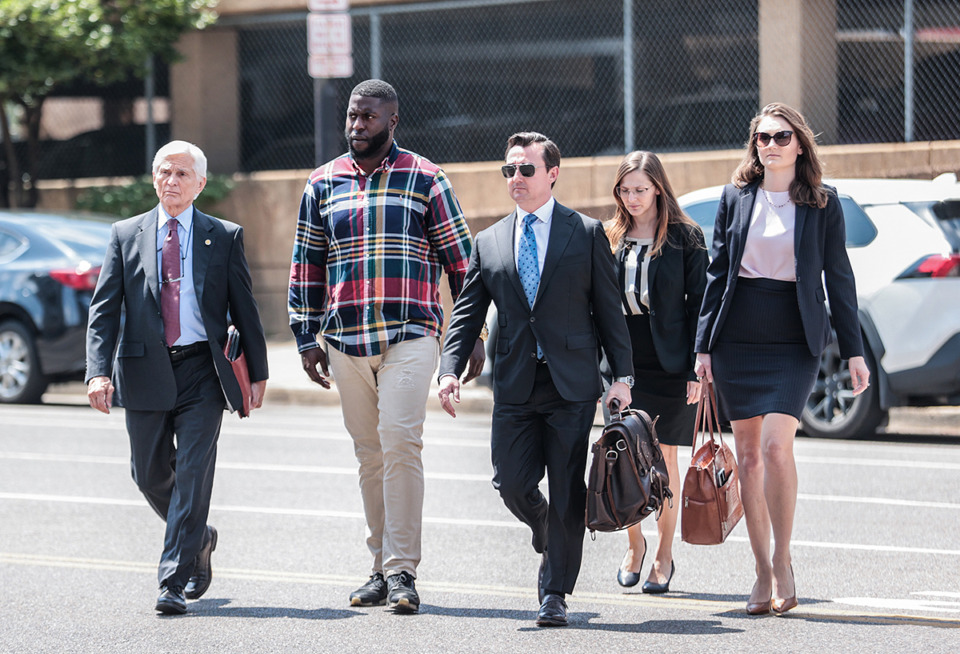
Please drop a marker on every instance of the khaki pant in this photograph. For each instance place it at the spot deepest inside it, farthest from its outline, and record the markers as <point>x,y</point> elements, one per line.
<point>384,402</point>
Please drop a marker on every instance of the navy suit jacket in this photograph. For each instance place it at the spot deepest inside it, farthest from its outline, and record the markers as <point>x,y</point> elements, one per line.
<point>129,280</point>
<point>820,253</point>
<point>577,309</point>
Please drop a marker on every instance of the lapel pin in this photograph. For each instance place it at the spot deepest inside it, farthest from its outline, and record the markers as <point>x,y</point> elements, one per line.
<point>207,242</point>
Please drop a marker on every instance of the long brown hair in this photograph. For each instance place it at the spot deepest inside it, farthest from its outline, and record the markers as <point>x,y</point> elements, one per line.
<point>668,210</point>
<point>807,185</point>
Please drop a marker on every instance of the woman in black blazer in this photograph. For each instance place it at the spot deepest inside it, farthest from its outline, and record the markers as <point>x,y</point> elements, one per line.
<point>662,265</point>
<point>763,325</point>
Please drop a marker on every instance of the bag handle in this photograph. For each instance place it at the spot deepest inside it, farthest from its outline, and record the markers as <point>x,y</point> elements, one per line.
<point>708,417</point>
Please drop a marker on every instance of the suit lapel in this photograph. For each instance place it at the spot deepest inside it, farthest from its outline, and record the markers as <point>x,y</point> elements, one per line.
<point>203,244</point>
<point>147,246</point>
<point>505,232</point>
<point>801,220</point>
<point>748,196</point>
<point>561,229</point>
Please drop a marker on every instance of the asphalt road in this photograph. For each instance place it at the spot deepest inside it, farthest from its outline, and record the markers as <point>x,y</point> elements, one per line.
<point>876,550</point>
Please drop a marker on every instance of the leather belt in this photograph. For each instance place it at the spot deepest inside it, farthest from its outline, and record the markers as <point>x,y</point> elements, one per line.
<point>181,352</point>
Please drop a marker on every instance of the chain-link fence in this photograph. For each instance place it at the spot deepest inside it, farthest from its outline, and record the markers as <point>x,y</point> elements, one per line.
<point>599,76</point>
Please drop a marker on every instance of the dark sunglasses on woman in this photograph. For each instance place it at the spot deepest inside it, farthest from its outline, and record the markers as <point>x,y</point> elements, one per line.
<point>780,138</point>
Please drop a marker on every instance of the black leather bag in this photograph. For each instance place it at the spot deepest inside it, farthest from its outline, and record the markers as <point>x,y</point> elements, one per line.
<point>628,478</point>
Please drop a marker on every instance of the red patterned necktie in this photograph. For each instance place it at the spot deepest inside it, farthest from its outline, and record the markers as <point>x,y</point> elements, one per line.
<point>170,286</point>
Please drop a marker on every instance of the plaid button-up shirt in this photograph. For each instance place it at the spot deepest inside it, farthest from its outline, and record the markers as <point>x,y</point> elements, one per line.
<point>369,251</point>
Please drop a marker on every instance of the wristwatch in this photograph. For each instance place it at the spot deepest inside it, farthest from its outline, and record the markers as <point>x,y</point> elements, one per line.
<point>484,334</point>
<point>628,380</point>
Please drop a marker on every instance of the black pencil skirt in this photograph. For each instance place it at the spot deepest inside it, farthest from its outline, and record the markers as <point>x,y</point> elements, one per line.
<point>761,361</point>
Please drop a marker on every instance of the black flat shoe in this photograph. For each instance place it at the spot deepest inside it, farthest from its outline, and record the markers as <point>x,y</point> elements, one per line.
<point>553,612</point>
<point>629,579</point>
<point>656,589</point>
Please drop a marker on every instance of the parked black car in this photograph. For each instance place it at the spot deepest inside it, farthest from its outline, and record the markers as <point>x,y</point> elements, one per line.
<point>49,264</point>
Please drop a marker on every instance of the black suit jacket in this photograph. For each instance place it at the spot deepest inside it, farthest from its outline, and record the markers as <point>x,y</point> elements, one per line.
<point>577,309</point>
<point>676,279</point>
<point>819,252</point>
<point>129,280</point>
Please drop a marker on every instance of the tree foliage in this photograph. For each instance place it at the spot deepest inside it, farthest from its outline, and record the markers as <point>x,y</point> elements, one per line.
<point>46,43</point>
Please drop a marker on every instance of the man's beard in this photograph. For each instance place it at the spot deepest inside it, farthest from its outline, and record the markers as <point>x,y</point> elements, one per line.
<point>374,143</point>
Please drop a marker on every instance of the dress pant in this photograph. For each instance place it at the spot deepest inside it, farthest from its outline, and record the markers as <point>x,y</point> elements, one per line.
<point>173,454</point>
<point>384,403</point>
<point>546,434</point>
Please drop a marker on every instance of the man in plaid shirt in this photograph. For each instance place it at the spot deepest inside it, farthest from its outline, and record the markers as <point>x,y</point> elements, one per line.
<point>376,227</point>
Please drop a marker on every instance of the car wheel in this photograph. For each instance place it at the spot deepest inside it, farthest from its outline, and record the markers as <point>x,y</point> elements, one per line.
<point>832,411</point>
<point>21,381</point>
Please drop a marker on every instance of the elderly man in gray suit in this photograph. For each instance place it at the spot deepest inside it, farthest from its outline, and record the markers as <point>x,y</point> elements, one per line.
<point>551,274</point>
<point>176,274</point>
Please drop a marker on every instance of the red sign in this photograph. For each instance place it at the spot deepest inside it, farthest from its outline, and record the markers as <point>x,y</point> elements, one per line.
<point>328,5</point>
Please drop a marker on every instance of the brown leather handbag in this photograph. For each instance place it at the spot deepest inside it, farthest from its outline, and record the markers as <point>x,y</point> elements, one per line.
<point>711,494</point>
<point>628,478</point>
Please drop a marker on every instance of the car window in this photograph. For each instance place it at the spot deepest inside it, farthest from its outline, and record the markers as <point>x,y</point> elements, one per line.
<point>10,246</point>
<point>704,213</point>
<point>945,214</point>
<point>860,230</point>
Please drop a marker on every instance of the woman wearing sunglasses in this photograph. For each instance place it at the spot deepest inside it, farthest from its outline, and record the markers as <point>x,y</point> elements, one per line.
<point>662,265</point>
<point>763,326</point>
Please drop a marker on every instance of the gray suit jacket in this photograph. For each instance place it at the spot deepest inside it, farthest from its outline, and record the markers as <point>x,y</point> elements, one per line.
<point>577,309</point>
<point>820,253</point>
<point>129,281</point>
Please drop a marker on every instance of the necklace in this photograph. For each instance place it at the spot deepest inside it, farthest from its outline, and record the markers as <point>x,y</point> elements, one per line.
<point>771,202</point>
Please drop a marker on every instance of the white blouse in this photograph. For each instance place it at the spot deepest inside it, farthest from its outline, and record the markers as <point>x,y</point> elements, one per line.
<point>768,251</point>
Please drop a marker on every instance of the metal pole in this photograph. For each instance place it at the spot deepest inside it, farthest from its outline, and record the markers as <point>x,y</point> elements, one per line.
<point>150,129</point>
<point>319,144</point>
<point>908,94</point>
<point>629,137</point>
<point>375,45</point>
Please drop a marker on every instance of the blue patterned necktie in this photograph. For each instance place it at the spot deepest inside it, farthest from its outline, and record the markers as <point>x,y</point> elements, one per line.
<point>528,265</point>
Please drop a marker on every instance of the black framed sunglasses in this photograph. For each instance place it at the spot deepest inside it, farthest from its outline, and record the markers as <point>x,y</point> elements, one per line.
<point>527,170</point>
<point>782,138</point>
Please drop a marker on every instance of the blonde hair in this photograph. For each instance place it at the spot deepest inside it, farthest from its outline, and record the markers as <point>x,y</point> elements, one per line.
<point>668,209</point>
<point>807,185</point>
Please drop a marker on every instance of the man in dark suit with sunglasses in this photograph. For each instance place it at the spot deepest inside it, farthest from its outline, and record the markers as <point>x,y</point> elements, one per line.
<point>175,273</point>
<point>551,274</point>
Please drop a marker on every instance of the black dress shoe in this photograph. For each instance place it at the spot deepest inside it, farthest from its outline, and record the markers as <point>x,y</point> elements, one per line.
<point>656,589</point>
<point>171,601</point>
<point>402,594</point>
<point>629,579</point>
<point>553,612</point>
<point>372,593</point>
<point>199,582</point>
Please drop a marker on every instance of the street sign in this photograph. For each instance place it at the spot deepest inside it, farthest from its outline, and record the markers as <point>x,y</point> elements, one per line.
<point>328,5</point>
<point>330,66</point>
<point>329,34</point>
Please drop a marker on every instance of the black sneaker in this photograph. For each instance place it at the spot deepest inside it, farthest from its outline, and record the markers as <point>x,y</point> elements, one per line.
<point>372,593</point>
<point>402,596</point>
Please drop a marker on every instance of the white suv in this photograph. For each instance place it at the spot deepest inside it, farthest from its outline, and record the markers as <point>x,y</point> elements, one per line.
<point>903,239</point>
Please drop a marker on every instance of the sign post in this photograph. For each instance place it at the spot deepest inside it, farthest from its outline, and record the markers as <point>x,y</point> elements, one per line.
<point>329,56</point>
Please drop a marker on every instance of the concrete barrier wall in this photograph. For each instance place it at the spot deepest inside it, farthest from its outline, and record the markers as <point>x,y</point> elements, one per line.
<point>266,204</point>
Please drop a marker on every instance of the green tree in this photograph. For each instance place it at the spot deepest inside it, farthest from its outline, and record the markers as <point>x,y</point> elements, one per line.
<point>46,43</point>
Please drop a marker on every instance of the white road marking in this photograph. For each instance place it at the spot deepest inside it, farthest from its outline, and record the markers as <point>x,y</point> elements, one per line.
<point>465,522</point>
<point>900,604</point>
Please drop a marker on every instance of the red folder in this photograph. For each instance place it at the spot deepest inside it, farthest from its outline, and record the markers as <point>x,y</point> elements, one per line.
<point>239,364</point>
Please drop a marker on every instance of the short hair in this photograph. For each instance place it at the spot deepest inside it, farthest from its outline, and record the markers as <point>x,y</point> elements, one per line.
<point>182,147</point>
<point>551,153</point>
<point>376,88</point>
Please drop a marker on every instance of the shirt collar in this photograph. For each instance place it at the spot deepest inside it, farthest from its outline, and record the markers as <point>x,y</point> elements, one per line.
<point>185,219</point>
<point>384,166</point>
<point>544,213</point>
